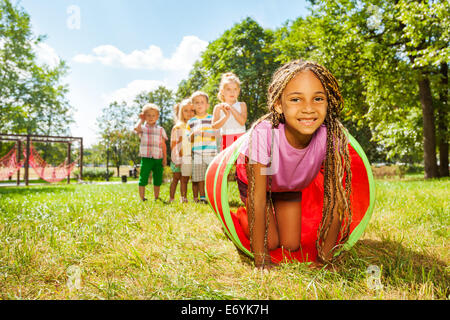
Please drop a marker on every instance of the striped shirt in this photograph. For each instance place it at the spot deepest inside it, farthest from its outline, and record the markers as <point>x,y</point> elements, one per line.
<point>152,138</point>
<point>202,145</point>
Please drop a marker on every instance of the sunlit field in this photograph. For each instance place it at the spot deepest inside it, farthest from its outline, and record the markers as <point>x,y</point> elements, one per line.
<point>100,242</point>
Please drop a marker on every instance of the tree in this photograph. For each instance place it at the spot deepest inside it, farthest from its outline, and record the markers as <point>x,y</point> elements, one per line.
<point>245,49</point>
<point>130,150</point>
<point>115,121</point>
<point>388,56</point>
<point>32,100</point>
<point>162,97</point>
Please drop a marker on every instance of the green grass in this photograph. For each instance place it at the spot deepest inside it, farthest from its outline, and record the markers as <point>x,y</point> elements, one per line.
<point>126,249</point>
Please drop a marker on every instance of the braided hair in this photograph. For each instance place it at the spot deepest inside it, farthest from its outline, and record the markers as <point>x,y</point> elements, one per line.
<point>337,196</point>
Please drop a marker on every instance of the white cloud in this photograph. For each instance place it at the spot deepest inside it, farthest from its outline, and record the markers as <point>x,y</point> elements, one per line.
<point>135,87</point>
<point>151,58</point>
<point>46,55</point>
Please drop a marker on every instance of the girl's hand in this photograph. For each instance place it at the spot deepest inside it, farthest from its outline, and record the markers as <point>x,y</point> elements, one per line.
<point>263,261</point>
<point>164,163</point>
<point>226,109</point>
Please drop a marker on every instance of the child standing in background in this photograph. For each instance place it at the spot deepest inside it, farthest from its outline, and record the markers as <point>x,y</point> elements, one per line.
<point>152,150</point>
<point>230,115</point>
<point>203,137</point>
<point>180,148</point>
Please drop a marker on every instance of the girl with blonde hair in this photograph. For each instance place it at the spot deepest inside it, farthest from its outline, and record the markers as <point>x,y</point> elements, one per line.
<point>230,115</point>
<point>181,150</point>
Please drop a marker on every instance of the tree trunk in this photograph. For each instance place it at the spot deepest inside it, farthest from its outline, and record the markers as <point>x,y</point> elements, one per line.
<point>429,131</point>
<point>107,164</point>
<point>443,123</point>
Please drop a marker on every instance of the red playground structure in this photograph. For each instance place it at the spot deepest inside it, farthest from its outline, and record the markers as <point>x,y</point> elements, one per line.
<point>13,161</point>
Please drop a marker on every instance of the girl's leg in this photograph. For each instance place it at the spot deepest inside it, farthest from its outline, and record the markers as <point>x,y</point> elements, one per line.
<point>195,190</point>
<point>183,188</point>
<point>173,186</point>
<point>201,188</point>
<point>288,214</point>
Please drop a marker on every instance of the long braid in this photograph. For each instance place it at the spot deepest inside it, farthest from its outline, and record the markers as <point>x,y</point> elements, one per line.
<point>337,161</point>
<point>251,193</point>
<point>337,164</point>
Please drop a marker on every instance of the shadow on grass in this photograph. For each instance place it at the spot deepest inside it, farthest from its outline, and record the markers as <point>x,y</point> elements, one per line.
<point>399,265</point>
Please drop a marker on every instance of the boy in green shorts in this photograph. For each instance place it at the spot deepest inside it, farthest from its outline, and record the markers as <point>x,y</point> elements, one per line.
<point>152,150</point>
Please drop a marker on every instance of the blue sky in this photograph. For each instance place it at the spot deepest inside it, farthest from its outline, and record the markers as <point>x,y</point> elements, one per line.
<point>117,48</point>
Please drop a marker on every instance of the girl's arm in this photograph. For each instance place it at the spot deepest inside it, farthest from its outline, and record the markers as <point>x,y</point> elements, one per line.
<point>174,138</point>
<point>257,205</point>
<point>241,117</point>
<point>218,122</point>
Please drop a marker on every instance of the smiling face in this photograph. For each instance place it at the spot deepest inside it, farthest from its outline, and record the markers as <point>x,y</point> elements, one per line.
<point>304,105</point>
<point>230,92</point>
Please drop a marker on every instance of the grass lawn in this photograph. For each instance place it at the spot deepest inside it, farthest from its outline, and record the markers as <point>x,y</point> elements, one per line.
<point>125,249</point>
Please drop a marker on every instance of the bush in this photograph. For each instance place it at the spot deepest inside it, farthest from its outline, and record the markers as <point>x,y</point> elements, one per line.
<point>414,168</point>
<point>167,174</point>
<point>389,171</point>
<point>93,174</point>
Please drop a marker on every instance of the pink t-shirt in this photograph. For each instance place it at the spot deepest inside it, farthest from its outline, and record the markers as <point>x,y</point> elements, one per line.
<point>292,169</point>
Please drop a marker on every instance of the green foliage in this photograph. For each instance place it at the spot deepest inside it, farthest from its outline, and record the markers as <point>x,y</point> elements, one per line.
<point>245,49</point>
<point>163,98</point>
<point>378,51</point>
<point>116,136</point>
<point>32,100</point>
<point>94,174</point>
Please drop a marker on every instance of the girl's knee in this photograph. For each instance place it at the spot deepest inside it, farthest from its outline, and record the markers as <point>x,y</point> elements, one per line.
<point>273,242</point>
<point>291,245</point>
<point>175,180</point>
